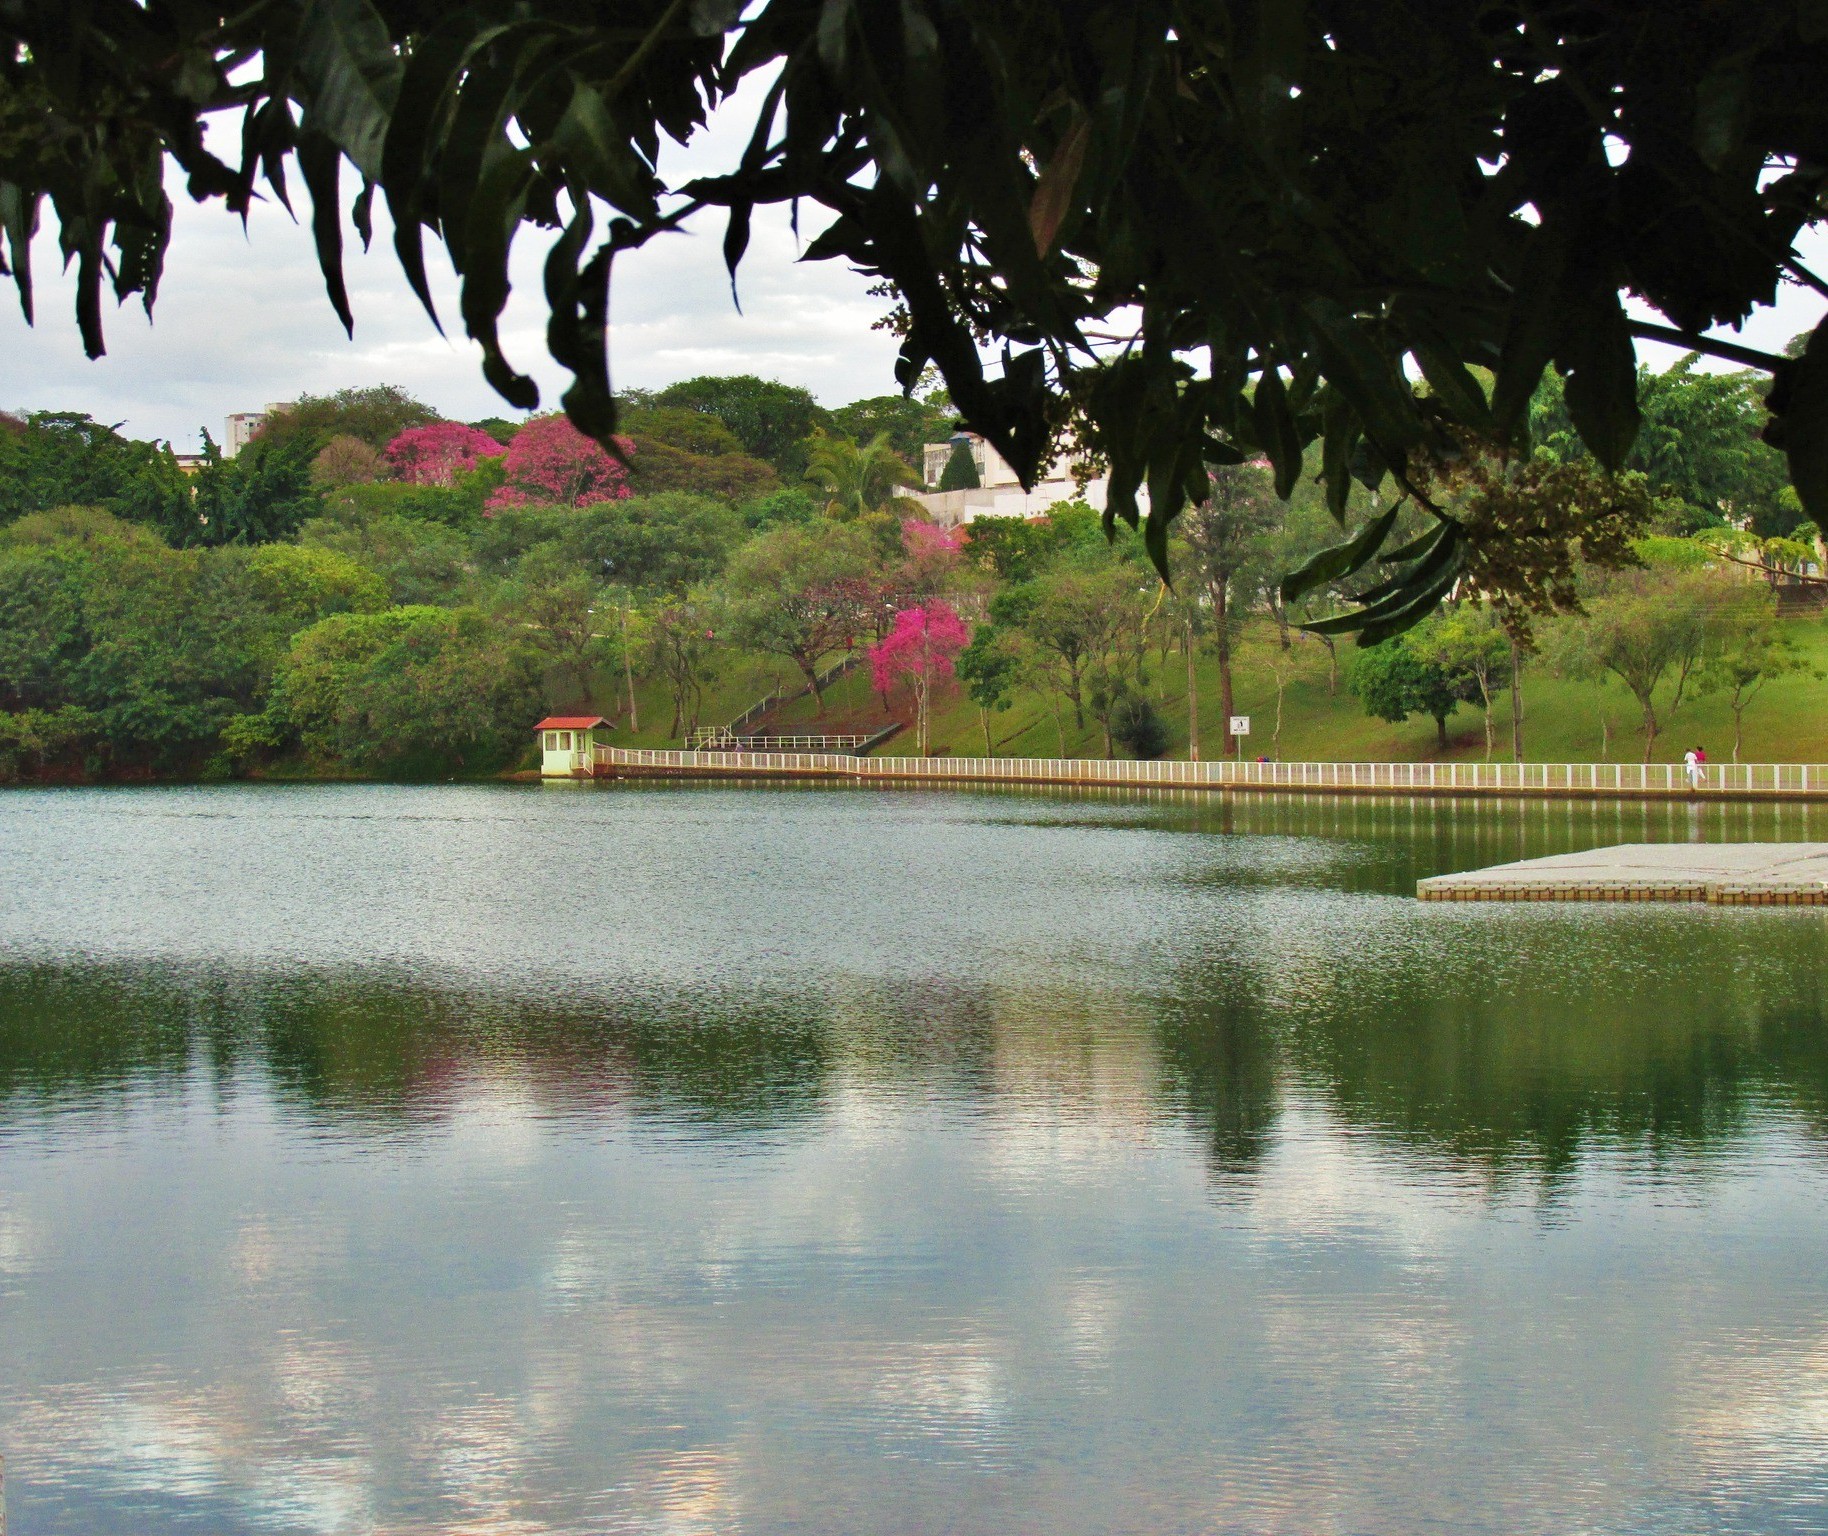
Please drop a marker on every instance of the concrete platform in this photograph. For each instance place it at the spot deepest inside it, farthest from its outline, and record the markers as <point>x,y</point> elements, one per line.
<point>1727,874</point>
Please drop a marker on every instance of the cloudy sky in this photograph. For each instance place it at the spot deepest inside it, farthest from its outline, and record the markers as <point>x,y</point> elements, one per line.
<point>242,320</point>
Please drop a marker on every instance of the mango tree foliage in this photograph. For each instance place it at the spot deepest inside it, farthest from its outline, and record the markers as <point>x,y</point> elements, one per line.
<point>1188,231</point>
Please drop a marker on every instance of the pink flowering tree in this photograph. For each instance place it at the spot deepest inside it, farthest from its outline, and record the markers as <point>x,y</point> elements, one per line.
<point>933,554</point>
<point>919,651</point>
<point>433,455</point>
<point>550,463</point>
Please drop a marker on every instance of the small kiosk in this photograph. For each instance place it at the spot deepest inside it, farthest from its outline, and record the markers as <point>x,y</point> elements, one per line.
<point>567,746</point>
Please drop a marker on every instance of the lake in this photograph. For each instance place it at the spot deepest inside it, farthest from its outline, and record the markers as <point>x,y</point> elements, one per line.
<point>688,1159</point>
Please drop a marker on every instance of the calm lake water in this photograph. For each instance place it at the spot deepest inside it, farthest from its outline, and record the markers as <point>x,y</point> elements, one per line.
<point>674,1159</point>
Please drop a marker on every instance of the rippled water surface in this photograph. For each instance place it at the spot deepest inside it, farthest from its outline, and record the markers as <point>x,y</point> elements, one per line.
<point>677,1160</point>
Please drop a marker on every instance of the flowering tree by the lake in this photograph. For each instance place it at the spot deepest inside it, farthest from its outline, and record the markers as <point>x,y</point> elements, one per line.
<point>551,463</point>
<point>434,454</point>
<point>919,651</point>
<point>933,554</point>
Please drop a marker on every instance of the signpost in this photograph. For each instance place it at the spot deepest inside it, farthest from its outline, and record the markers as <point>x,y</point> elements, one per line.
<point>1240,728</point>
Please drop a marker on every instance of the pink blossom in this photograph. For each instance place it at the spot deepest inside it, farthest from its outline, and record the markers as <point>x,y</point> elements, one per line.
<point>551,463</point>
<point>929,541</point>
<point>433,455</point>
<point>919,650</point>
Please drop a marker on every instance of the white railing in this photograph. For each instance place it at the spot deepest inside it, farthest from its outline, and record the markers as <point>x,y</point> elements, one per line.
<point>1597,779</point>
<point>713,740</point>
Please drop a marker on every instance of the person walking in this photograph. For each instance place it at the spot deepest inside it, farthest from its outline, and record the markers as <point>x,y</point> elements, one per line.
<point>1691,764</point>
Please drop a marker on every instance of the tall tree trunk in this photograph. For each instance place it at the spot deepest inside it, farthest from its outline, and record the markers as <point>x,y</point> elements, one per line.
<point>1516,700</point>
<point>1332,665</point>
<point>1485,697</point>
<point>810,671</point>
<point>628,671</point>
<point>1738,718</point>
<point>1651,730</point>
<point>984,719</point>
<point>1440,732</point>
<point>1193,704</point>
<point>1222,634</point>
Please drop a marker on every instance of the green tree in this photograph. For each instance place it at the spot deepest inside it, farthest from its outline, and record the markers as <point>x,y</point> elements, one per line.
<point>909,422</point>
<point>374,414</point>
<point>1138,727</point>
<point>59,459</point>
<point>800,594</point>
<point>790,504</point>
<point>855,479</point>
<point>662,543</point>
<point>1083,622</point>
<point>1469,641</point>
<point>1751,648</point>
<point>682,647</point>
<point>1228,540</point>
<point>265,492</point>
<point>1396,679</point>
<point>990,668</point>
<point>677,449</point>
<point>299,585</point>
<point>416,691</point>
<point>1651,627</point>
<point>553,598</point>
<point>770,420</point>
<point>420,561</point>
<point>1699,445</point>
<point>960,473</point>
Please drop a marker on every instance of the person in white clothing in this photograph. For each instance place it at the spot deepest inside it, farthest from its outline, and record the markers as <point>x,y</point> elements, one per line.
<point>1691,760</point>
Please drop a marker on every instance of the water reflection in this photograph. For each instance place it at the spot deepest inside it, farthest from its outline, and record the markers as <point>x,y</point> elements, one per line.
<point>985,1163</point>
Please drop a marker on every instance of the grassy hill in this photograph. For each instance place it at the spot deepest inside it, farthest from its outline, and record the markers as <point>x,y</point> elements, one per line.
<point>1563,720</point>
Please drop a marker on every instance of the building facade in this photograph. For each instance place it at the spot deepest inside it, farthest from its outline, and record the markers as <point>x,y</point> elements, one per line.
<point>999,493</point>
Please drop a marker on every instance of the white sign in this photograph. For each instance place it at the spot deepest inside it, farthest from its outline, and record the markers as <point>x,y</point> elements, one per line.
<point>1240,725</point>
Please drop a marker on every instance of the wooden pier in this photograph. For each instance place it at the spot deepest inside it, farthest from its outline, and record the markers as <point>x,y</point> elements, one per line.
<point>1721,874</point>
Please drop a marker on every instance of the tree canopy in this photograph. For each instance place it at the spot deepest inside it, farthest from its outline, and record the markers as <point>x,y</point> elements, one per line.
<point>1194,231</point>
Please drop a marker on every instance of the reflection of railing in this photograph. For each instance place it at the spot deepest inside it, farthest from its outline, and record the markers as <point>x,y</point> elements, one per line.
<point>1800,780</point>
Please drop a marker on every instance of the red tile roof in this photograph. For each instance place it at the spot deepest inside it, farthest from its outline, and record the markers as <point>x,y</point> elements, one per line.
<point>570,723</point>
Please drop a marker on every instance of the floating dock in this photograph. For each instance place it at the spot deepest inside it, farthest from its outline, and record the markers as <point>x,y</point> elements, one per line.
<point>1723,874</point>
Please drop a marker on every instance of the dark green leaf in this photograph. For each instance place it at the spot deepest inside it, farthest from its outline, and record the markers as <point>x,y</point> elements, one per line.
<point>1276,429</point>
<point>1339,559</point>
<point>347,60</point>
<point>1602,386</point>
<point>320,162</point>
<point>1805,425</point>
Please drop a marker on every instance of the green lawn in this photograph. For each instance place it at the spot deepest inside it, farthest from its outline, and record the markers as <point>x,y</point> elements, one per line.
<point>1787,723</point>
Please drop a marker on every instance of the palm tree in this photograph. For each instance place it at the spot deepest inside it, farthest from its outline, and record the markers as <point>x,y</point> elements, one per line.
<point>856,478</point>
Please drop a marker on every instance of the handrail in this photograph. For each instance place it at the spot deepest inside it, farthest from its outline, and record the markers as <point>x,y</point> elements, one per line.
<point>778,694</point>
<point>1792,780</point>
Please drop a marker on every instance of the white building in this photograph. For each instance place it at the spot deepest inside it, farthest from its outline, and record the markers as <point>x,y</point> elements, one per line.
<point>238,430</point>
<point>999,492</point>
